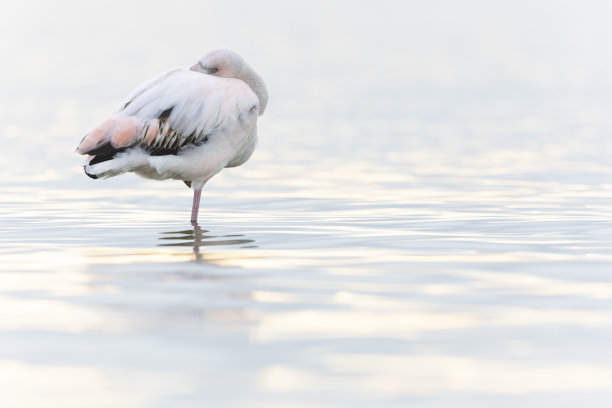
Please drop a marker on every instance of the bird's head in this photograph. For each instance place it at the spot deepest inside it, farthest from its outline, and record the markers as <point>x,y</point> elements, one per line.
<point>222,62</point>
<point>227,64</point>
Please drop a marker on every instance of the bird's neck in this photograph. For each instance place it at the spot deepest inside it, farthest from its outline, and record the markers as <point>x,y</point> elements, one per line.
<point>258,86</point>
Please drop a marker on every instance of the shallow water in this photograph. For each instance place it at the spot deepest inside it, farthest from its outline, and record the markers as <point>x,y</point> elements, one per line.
<point>435,236</point>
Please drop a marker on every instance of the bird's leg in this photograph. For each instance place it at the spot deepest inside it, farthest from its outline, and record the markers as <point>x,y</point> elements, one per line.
<point>196,205</point>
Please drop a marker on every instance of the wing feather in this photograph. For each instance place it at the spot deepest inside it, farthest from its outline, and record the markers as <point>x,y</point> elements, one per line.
<point>173,111</point>
<point>184,115</point>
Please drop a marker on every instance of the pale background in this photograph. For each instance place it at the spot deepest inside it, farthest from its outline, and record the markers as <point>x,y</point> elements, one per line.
<point>426,221</point>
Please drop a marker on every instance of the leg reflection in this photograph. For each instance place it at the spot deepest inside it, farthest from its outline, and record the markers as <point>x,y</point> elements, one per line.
<point>197,241</point>
<point>198,238</point>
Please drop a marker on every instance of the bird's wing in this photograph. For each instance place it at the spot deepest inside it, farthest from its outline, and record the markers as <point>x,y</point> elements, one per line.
<point>177,109</point>
<point>146,86</point>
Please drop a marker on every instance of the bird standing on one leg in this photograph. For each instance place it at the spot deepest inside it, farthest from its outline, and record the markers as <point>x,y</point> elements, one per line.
<point>185,124</point>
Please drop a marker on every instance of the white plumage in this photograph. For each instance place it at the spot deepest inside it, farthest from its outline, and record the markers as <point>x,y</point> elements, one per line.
<point>185,124</point>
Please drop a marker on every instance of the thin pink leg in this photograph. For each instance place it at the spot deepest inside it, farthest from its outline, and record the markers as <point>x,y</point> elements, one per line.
<point>196,205</point>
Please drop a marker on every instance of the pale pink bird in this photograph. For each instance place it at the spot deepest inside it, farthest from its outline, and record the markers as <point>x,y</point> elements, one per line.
<point>185,124</point>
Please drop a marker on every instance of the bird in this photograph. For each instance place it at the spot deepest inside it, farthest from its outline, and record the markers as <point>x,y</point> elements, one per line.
<point>186,124</point>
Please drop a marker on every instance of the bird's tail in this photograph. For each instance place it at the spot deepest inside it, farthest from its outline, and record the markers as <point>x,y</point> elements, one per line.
<point>120,163</point>
<point>106,147</point>
<point>117,132</point>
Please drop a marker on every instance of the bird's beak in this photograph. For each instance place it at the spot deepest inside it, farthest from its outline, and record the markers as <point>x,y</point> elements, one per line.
<point>198,67</point>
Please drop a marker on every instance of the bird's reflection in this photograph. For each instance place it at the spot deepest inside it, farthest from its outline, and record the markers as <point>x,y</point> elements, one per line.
<point>198,237</point>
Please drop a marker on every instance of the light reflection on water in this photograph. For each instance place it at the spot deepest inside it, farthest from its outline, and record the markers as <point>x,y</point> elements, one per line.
<point>366,303</point>
<point>426,221</point>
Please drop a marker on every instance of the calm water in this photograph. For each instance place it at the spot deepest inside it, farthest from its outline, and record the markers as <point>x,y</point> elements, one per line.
<point>426,221</point>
